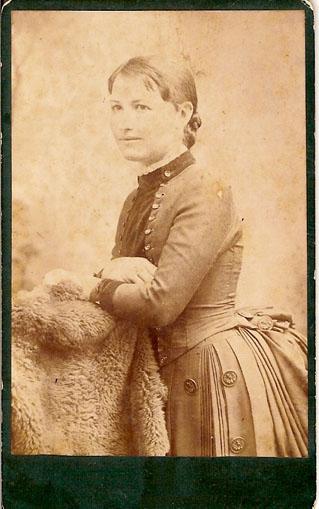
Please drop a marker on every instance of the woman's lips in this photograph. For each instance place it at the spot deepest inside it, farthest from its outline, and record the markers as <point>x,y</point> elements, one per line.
<point>130,139</point>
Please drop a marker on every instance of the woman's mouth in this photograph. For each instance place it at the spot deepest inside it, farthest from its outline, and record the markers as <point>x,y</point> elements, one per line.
<point>130,139</point>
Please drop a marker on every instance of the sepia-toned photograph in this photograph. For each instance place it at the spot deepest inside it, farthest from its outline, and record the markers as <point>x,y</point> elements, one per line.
<point>159,234</point>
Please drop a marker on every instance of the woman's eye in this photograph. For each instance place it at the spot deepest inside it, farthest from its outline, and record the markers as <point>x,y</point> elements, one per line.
<point>116,107</point>
<point>142,107</point>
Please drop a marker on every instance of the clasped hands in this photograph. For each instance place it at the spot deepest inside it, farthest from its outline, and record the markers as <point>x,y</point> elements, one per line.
<point>128,269</point>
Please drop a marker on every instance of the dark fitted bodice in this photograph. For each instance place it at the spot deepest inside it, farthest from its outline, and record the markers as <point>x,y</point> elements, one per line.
<point>194,225</point>
<point>133,234</point>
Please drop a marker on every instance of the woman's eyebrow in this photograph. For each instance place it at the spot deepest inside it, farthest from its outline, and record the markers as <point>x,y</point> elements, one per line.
<point>114,101</point>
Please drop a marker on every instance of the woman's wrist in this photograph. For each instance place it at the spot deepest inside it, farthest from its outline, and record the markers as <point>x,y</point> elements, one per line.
<point>104,293</point>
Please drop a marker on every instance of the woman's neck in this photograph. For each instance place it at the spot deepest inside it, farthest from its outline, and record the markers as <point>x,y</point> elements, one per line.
<point>169,156</point>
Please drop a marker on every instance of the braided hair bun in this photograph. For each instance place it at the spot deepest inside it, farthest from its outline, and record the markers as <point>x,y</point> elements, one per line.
<point>191,130</point>
<point>195,122</point>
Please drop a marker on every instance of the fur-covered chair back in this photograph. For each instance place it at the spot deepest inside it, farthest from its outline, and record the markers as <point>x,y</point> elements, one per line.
<point>83,383</point>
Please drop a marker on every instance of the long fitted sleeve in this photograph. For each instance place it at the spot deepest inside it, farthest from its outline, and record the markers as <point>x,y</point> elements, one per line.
<point>202,221</point>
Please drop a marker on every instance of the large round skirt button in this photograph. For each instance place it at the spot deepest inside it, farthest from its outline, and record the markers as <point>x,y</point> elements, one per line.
<point>237,444</point>
<point>229,378</point>
<point>265,322</point>
<point>190,386</point>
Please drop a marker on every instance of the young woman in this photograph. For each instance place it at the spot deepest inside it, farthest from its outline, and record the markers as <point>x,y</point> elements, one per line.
<point>237,382</point>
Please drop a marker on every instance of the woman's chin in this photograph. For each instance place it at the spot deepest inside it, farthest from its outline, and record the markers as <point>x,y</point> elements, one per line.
<point>133,155</point>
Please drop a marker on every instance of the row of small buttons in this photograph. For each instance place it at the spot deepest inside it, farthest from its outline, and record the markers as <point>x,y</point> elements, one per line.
<point>156,205</point>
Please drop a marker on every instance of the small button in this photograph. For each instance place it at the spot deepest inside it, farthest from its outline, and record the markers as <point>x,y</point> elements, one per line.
<point>167,173</point>
<point>151,218</point>
<point>162,184</point>
<point>155,206</point>
<point>147,247</point>
<point>229,378</point>
<point>162,360</point>
<point>237,444</point>
<point>159,195</point>
<point>265,323</point>
<point>147,231</point>
<point>190,386</point>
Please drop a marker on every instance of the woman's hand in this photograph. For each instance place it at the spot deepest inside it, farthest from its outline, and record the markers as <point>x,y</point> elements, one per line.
<point>127,269</point>
<point>130,269</point>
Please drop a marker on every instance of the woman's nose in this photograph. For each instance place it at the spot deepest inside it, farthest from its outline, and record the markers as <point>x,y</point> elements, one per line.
<point>128,120</point>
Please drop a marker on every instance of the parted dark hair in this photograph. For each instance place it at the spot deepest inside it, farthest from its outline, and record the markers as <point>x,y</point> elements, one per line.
<point>175,83</point>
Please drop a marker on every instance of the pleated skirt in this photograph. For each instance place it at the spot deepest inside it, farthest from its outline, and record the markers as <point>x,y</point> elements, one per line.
<point>241,392</point>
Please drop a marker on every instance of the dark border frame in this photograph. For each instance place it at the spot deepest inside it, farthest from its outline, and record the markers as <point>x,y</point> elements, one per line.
<point>59,482</point>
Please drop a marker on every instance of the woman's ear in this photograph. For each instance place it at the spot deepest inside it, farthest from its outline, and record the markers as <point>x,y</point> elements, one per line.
<point>186,110</point>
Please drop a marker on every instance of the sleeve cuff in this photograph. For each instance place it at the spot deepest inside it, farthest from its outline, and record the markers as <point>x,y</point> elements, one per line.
<point>106,291</point>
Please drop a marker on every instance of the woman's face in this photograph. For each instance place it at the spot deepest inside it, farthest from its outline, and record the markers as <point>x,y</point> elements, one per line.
<point>145,126</point>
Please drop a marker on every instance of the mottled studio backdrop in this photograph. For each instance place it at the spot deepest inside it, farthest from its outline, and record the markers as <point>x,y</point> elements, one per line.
<point>69,180</point>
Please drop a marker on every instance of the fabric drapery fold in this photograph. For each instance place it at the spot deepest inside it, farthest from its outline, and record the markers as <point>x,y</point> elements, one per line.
<point>244,399</point>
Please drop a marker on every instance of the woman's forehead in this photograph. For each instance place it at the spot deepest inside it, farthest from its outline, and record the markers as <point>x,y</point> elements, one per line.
<point>129,86</point>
